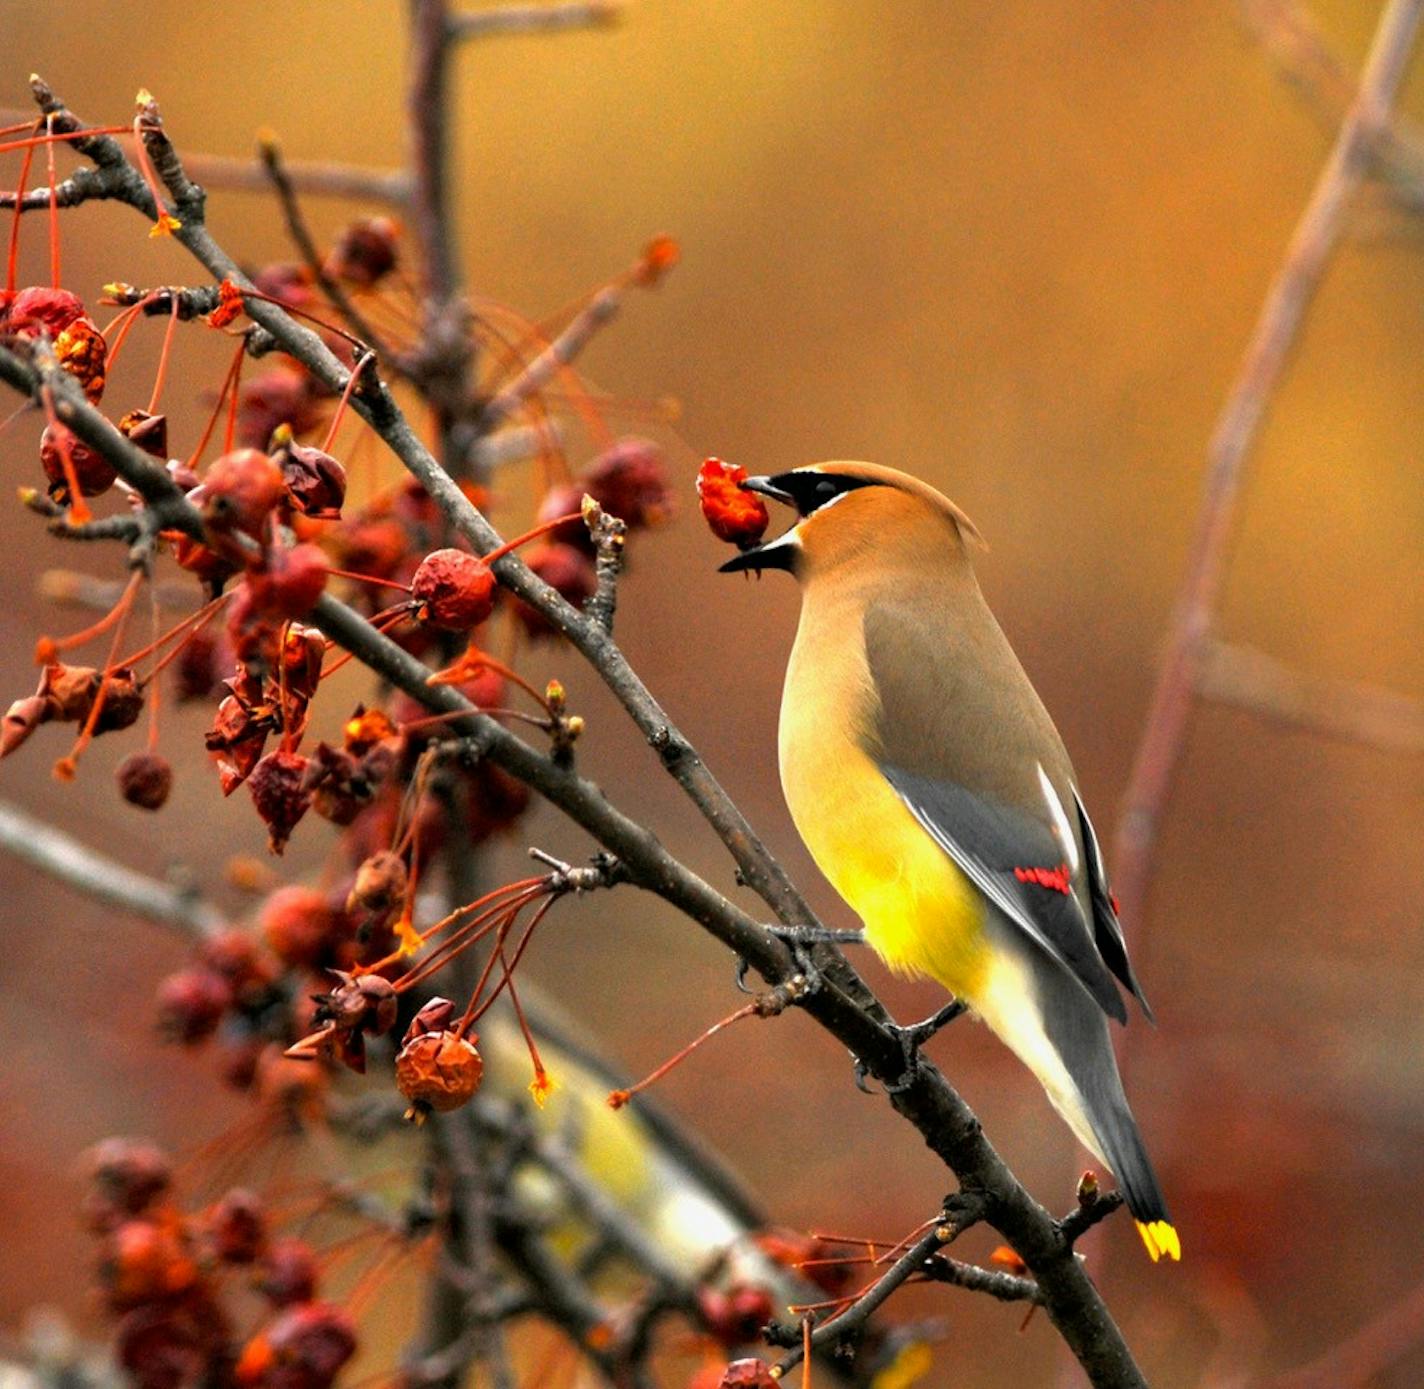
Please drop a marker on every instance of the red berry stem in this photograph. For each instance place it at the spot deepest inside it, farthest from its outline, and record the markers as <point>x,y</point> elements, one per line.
<point>618,1098</point>
<point>345,400</point>
<point>79,513</point>
<point>163,358</point>
<point>12,263</point>
<point>54,276</point>
<point>543,528</point>
<point>66,767</point>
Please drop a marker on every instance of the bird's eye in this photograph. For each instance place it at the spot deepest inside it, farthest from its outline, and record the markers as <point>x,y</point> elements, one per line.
<point>825,488</point>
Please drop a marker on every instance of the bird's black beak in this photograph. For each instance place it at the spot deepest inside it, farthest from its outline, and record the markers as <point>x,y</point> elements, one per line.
<point>768,488</point>
<point>771,554</point>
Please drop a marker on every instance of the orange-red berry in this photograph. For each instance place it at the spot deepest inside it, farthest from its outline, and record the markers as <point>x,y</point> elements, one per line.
<point>454,590</point>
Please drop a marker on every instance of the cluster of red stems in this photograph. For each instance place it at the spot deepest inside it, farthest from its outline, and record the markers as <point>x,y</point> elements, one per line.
<point>321,970</point>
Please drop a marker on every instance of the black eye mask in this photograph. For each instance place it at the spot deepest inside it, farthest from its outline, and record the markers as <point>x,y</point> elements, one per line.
<point>809,491</point>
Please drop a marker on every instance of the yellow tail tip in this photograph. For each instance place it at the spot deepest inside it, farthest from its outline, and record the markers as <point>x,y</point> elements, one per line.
<point>1160,1237</point>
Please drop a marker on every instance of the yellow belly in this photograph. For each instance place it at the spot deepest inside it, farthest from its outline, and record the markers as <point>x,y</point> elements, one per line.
<point>922,916</point>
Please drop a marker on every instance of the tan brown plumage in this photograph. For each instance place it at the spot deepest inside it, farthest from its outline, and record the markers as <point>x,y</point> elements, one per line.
<point>933,790</point>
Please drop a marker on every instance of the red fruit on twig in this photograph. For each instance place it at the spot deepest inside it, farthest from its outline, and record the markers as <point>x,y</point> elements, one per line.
<point>738,517</point>
<point>454,590</point>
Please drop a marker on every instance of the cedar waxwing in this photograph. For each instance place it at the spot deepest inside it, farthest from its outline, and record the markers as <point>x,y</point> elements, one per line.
<point>934,792</point>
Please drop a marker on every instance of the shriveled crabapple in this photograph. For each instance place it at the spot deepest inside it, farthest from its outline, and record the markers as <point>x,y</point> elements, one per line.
<point>145,779</point>
<point>365,1001</point>
<point>436,1068</point>
<point>303,1347</point>
<point>236,1226</point>
<point>748,1374</point>
<point>81,351</point>
<point>315,481</point>
<point>149,432</point>
<point>290,582</point>
<point>629,480</point>
<point>280,395</point>
<point>380,883</point>
<point>299,926</point>
<point>453,590</point>
<point>568,571</point>
<point>239,491</point>
<point>287,1272</point>
<point>191,1004</point>
<point>734,515</point>
<point>366,251</point>
<point>736,1316</point>
<point>126,1177</point>
<point>41,311</point>
<point>147,1259</point>
<point>93,473</point>
<point>277,786</point>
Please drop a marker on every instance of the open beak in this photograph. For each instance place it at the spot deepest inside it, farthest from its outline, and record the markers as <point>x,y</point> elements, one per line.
<point>772,554</point>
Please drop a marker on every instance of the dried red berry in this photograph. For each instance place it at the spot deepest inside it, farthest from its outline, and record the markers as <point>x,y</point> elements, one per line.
<point>204,664</point>
<point>303,1347</point>
<point>629,481</point>
<point>127,1176</point>
<point>287,1273</point>
<point>437,1070</point>
<point>145,780</point>
<point>299,926</point>
<point>191,1004</point>
<point>736,1316</point>
<point>316,482</point>
<point>200,559</point>
<point>454,590</point>
<point>147,1260</point>
<point>365,1001</point>
<point>278,791</point>
<point>565,569</point>
<point>81,351</point>
<point>748,1374</point>
<point>239,491</point>
<point>380,884</point>
<point>92,471</point>
<point>161,1347</point>
<point>365,728</point>
<point>738,517</point>
<point>237,1227</point>
<point>289,281</point>
<point>150,433</point>
<point>282,395</point>
<point>292,581</point>
<point>365,252</point>
<point>41,311</point>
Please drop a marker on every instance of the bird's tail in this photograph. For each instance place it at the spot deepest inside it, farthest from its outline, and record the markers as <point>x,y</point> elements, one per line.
<point>1061,1034</point>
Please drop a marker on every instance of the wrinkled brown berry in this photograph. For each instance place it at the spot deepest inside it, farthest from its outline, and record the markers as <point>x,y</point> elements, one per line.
<point>145,780</point>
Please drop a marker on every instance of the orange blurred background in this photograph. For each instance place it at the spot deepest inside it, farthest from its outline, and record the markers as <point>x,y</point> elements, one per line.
<point>1016,248</point>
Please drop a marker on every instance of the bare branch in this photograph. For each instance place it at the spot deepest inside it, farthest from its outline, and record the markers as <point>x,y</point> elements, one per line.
<point>81,867</point>
<point>1250,679</point>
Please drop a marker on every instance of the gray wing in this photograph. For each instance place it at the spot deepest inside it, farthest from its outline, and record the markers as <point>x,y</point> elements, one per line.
<point>1016,862</point>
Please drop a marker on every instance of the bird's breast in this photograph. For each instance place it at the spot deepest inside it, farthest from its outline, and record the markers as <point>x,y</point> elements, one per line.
<point>921,914</point>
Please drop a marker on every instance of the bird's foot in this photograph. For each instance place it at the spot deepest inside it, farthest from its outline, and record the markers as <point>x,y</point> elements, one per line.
<point>911,1039</point>
<point>799,939</point>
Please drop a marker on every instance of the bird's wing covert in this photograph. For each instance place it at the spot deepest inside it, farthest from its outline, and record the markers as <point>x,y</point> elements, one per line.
<point>1017,864</point>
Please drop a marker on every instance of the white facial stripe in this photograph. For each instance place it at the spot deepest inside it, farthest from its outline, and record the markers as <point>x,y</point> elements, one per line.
<point>790,541</point>
<point>1062,830</point>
